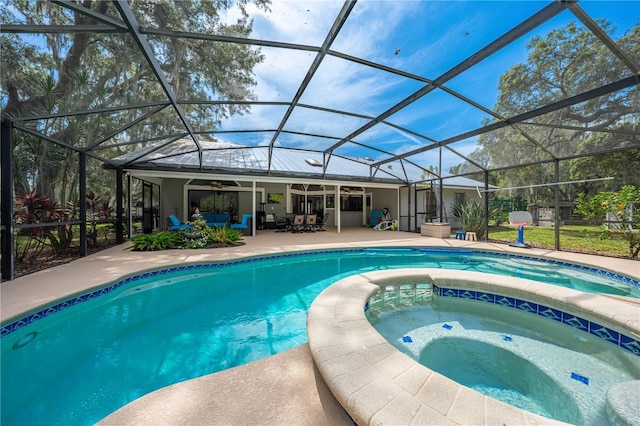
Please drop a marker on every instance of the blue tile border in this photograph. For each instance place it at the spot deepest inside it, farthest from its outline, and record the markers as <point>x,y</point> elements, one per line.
<point>625,342</point>
<point>61,306</point>
<point>607,274</point>
<point>49,310</point>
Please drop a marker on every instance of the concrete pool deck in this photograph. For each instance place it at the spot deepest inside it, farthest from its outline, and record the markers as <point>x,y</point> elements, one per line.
<point>283,389</point>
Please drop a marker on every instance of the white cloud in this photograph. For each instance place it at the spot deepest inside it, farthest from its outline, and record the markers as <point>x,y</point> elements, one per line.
<point>301,22</point>
<point>337,84</point>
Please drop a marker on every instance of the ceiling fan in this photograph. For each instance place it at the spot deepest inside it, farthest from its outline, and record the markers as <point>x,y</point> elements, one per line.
<point>218,185</point>
<point>351,190</point>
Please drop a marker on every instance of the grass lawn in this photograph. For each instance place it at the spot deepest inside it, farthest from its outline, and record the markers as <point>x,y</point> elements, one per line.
<point>575,238</point>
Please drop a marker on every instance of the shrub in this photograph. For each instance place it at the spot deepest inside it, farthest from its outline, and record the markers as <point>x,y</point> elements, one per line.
<point>498,216</point>
<point>620,209</point>
<point>197,243</point>
<point>458,206</point>
<point>472,215</point>
<point>161,240</point>
<point>222,235</point>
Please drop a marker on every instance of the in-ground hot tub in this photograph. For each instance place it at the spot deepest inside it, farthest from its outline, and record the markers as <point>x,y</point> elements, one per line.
<point>376,383</point>
<point>497,371</point>
<point>529,361</point>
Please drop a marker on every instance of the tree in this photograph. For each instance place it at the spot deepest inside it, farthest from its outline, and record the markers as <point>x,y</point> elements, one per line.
<point>60,72</point>
<point>564,63</point>
<point>620,210</point>
<point>623,165</point>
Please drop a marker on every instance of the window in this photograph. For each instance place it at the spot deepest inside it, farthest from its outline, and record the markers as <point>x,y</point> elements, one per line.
<point>214,201</point>
<point>330,201</point>
<point>351,203</point>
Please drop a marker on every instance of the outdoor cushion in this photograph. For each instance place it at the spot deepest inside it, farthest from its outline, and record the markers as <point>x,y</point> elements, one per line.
<point>244,224</point>
<point>216,219</point>
<point>176,225</point>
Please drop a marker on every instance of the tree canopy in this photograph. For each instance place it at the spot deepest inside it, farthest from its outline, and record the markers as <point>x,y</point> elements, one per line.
<point>564,63</point>
<point>89,71</point>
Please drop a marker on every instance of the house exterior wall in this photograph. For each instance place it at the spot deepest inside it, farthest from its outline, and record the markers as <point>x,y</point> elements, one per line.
<point>385,198</point>
<point>172,201</point>
<point>348,219</point>
<point>279,209</point>
<point>449,199</point>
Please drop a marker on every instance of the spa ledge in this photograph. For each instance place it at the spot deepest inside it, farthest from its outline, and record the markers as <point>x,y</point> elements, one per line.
<point>377,384</point>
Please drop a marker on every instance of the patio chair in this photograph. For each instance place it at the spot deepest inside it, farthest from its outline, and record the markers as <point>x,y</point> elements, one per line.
<point>298,223</point>
<point>244,225</point>
<point>322,222</point>
<point>310,224</point>
<point>175,224</point>
<point>283,224</point>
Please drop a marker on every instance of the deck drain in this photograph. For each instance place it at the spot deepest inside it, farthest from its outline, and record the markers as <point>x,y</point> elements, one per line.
<point>27,338</point>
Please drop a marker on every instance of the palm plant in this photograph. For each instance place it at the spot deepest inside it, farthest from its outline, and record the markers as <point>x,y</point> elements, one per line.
<point>223,235</point>
<point>472,216</point>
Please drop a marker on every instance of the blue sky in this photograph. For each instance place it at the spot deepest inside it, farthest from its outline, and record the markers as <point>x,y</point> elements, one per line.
<point>419,37</point>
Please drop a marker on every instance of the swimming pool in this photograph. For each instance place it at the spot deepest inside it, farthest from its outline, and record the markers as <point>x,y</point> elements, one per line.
<point>541,366</point>
<point>96,352</point>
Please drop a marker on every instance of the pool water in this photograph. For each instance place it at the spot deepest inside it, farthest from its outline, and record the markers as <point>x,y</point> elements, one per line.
<point>80,364</point>
<point>530,362</point>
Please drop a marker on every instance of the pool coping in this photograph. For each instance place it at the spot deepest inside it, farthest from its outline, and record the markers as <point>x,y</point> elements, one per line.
<point>378,384</point>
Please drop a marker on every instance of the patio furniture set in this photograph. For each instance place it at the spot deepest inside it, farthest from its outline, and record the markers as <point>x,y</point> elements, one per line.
<point>215,220</point>
<point>300,223</point>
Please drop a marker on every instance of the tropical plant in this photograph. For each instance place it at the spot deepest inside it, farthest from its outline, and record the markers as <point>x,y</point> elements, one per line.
<point>160,240</point>
<point>223,235</point>
<point>458,205</point>
<point>196,243</point>
<point>472,215</point>
<point>32,208</point>
<point>97,207</point>
<point>620,210</point>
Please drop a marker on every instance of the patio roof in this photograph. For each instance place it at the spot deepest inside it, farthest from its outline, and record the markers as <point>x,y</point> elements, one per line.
<point>226,158</point>
<point>388,92</point>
